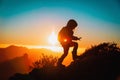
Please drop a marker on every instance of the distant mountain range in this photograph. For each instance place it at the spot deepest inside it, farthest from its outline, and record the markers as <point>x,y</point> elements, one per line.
<point>17,59</point>
<point>15,65</point>
<point>13,51</point>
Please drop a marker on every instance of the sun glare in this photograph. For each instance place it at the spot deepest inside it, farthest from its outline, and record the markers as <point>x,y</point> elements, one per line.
<point>52,39</point>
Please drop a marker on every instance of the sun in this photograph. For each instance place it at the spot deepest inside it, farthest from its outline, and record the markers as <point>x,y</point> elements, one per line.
<point>52,39</point>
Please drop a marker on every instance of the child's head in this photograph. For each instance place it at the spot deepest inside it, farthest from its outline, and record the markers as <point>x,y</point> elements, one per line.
<point>72,23</point>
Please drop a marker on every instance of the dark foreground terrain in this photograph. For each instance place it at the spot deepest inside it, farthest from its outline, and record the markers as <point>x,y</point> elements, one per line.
<point>100,62</point>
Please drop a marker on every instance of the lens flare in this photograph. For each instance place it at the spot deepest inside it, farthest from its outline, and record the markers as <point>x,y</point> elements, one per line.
<point>52,39</point>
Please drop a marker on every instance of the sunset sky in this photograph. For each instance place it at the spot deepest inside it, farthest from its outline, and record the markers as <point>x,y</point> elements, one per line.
<point>31,22</point>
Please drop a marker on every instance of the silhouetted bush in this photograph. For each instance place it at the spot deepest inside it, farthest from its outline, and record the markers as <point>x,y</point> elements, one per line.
<point>45,61</point>
<point>103,48</point>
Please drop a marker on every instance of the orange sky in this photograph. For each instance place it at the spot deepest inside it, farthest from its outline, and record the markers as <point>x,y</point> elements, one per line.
<point>32,23</point>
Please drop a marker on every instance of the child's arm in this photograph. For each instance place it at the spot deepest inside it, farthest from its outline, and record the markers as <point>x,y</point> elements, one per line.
<point>79,38</point>
<point>76,38</point>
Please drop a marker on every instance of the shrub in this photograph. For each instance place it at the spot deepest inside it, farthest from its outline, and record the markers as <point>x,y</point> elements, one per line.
<point>45,61</point>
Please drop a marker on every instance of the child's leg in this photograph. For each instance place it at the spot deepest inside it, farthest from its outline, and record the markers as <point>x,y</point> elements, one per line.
<point>60,60</point>
<point>74,52</point>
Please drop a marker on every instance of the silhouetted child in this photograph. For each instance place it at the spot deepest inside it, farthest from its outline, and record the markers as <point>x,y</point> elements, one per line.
<point>65,37</point>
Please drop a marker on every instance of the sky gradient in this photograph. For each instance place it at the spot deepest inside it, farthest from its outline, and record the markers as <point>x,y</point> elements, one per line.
<point>30,22</point>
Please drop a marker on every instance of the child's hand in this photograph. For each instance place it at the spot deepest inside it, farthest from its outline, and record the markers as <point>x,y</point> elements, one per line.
<point>79,38</point>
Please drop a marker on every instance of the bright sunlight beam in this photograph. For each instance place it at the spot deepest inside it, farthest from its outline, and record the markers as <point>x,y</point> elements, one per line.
<point>52,39</point>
